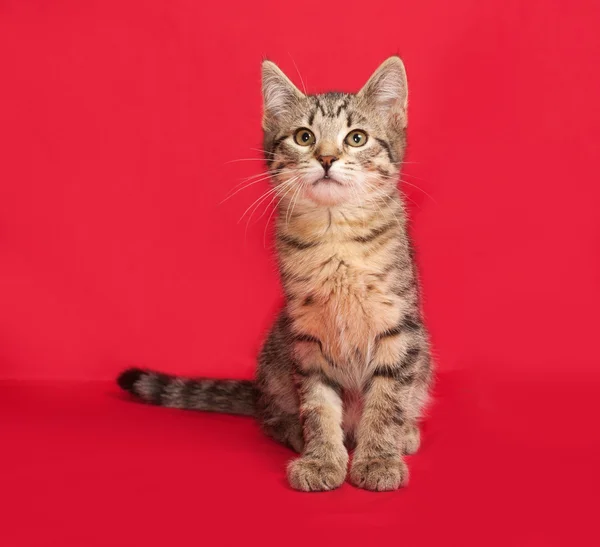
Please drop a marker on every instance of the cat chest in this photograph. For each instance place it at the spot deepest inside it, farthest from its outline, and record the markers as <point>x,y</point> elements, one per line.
<point>345,305</point>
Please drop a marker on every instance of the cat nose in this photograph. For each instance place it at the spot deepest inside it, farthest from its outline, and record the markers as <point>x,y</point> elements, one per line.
<point>326,162</point>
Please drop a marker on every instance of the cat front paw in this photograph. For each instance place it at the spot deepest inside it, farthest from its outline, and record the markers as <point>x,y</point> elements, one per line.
<point>379,474</point>
<point>312,475</point>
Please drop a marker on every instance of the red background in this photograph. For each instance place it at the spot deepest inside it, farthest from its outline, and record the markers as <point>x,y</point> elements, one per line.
<point>119,126</point>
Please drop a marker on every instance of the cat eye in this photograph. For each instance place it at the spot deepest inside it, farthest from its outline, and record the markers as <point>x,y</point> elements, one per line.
<point>356,138</point>
<point>304,137</point>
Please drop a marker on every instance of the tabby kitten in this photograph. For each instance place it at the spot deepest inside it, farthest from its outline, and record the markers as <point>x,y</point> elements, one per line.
<point>347,363</point>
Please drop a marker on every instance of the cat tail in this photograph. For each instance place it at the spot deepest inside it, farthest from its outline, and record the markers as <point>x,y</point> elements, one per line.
<point>226,396</point>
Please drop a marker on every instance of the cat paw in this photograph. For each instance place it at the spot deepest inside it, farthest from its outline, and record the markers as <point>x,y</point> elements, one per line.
<point>379,474</point>
<point>312,475</point>
<point>411,439</point>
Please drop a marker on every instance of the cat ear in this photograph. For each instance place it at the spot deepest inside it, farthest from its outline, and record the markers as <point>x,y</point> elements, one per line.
<point>387,89</point>
<point>279,93</point>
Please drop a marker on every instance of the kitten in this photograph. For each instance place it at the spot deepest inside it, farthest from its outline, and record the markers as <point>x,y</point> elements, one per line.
<point>347,363</point>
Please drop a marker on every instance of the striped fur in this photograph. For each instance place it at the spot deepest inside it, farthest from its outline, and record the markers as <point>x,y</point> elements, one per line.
<point>347,363</point>
<point>228,396</point>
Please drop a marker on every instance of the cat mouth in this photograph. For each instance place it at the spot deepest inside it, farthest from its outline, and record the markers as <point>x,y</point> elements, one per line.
<point>327,180</point>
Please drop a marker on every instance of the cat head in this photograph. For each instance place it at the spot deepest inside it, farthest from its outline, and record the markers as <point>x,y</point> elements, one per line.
<point>335,148</point>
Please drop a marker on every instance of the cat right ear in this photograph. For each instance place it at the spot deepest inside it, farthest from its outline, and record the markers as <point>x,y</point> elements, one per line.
<point>279,93</point>
<point>387,90</point>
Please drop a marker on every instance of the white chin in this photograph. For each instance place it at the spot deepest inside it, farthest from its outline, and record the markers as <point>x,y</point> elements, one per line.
<point>328,192</point>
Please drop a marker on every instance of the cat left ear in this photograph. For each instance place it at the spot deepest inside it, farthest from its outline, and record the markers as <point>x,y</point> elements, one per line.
<point>279,93</point>
<point>387,89</point>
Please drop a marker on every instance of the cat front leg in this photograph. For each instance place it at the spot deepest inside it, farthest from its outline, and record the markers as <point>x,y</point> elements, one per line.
<point>393,399</point>
<point>324,461</point>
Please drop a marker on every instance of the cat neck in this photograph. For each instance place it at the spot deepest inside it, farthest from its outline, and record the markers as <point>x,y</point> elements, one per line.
<point>311,222</point>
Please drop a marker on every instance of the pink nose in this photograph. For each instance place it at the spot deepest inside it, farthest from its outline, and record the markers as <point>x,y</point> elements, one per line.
<point>326,162</point>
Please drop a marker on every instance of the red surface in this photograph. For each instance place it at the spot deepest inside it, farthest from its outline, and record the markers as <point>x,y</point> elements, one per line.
<point>85,467</point>
<point>119,122</point>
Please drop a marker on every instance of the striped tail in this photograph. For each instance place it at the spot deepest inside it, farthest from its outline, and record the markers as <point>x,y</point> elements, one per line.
<point>227,396</point>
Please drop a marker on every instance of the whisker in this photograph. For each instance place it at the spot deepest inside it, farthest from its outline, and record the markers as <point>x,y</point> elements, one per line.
<point>259,178</point>
<point>419,188</point>
<point>258,200</point>
<point>379,178</point>
<point>297,193</point>
<point>289,184</point>
<point>247,185</point>
<point>406,196</point>
<point>271,172</point>
<point>405,174</point>
<point>380,199</point>
<point>271,215</point>
<point>299,75</point>
<point>243,159</point>
<point>274,191</point>
<point>263,151</point>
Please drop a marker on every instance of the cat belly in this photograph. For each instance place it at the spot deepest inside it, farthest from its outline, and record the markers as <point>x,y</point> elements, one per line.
<point>353,406</point>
